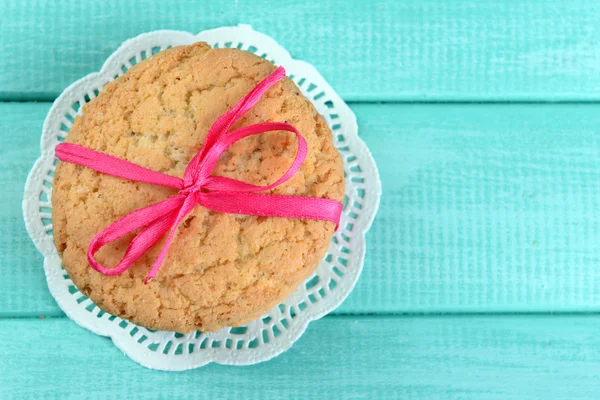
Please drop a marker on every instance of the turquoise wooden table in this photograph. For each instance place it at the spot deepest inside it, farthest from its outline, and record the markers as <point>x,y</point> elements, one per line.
<point>482,276</point>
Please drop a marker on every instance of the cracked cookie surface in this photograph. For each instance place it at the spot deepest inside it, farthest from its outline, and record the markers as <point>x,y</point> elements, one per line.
<point>222,269</point>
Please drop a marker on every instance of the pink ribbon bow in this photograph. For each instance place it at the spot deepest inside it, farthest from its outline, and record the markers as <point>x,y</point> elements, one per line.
<point>198,186</point>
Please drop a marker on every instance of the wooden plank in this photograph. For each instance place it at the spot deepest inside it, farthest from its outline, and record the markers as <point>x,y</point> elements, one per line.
<point>502,357</point>
<point>23,289</point>
<point>385,50</point>
<point>485,208</point>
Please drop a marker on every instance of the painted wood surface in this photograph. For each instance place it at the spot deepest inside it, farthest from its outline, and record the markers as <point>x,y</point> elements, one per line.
<point>380,50</point>
<point>461,357</point>
<point>485,208</point>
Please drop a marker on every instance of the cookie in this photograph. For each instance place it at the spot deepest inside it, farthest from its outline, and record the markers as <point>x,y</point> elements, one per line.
<point>222,269</point>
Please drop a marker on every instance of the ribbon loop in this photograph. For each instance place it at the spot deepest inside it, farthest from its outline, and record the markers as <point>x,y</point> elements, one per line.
<point>224,142</point>
<point>217,193</point>
<point>225,121</point>
<point>156,220</point>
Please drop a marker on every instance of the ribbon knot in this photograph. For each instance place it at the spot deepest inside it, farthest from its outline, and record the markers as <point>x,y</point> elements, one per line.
<point>199,186</point>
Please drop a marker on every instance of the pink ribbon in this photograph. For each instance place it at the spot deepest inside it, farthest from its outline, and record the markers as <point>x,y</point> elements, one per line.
<point>198,186</point>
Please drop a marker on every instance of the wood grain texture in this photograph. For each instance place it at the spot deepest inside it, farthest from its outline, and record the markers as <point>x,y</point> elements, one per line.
<point>503,357</point>
<point>22,282</point>
<point>368,50</point>
<point>485,208</point>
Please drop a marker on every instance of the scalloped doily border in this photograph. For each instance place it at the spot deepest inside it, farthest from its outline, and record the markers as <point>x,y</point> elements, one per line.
<point>358,163</point>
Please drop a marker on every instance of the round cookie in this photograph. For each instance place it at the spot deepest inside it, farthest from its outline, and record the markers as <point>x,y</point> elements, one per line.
<point>222,269</point>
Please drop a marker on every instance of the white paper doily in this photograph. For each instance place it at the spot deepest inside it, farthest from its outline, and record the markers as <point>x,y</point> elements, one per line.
<point>276,331</point>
